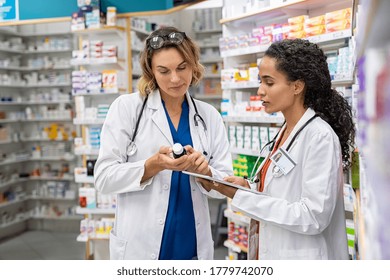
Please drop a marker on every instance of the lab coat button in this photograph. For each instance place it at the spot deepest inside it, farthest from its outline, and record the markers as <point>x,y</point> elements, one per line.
<point>193,189</point>
<point>153,256</point>
<point>161,221</point>
<point>165,187</point>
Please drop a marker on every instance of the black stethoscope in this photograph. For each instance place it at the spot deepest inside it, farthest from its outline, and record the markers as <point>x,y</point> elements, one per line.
<point>276,170</point>
<point>197,119</point>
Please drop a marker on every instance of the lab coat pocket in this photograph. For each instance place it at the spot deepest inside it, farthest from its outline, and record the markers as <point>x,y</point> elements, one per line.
<point>117,247</point>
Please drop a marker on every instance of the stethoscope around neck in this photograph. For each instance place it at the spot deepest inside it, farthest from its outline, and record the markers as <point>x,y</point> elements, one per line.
<point>271,144</point>
<point>132,149</point>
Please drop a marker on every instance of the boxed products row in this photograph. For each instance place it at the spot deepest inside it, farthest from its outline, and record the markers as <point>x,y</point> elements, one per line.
<point>91,228</point>
<point>296,27</point>
<point>106,81</point>
<point>250,137</point>
<point>90,198</point>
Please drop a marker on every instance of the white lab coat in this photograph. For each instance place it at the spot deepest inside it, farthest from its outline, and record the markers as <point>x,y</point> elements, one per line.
<point>142,208</point>
<point>303,215</point>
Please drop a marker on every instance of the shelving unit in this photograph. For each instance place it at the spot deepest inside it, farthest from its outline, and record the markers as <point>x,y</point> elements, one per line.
<point>207,31</point>
<point>100,97</point>
<point>372,58</point>
<point>238,20</point>
<point>35,126</point>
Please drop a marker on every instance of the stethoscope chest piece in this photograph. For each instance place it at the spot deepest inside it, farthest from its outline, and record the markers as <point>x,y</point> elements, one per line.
<point>131,149</point>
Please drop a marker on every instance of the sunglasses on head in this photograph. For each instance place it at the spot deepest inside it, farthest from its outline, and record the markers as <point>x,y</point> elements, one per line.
<point>156,42</point>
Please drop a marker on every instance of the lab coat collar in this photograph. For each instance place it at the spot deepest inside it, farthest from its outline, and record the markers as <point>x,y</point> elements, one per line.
<point>306,116</point>
<point>159,118</point>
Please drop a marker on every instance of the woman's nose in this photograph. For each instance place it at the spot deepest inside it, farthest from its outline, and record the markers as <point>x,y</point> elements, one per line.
<point>260,91</point>
<point>174,77</point>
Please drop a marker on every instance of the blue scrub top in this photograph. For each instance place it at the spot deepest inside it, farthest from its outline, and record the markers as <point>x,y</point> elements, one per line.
<point>179,236</point>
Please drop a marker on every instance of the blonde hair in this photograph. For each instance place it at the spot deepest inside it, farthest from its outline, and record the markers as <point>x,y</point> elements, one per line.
<point>188,49</point>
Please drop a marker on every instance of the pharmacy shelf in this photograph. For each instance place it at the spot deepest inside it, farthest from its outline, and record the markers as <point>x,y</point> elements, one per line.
<point>247,152</point>
<point>94,211</point>
<point>14,85</point>
<point>208,96</point>
<point>18,221</point>
<point>29,69</point>
<point>322,40</point>
<point>119,30</point>
<point>84,179</point>
<point>104,92</point>
<point>10,203</point>
<point>240,85</point>
<point>88,122</point>
<point>278,11</point>
<point>58,218</point>
<point>235,247</point>
<point>254,119</point>
<point>237,218</point>
<point>30,103</point>
<point>65,199</point>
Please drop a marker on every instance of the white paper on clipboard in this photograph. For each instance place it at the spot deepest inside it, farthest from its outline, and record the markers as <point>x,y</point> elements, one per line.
<point>211,179</point>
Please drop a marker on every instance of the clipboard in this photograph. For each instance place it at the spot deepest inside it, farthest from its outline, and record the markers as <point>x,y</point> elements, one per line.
<point>211,179</point>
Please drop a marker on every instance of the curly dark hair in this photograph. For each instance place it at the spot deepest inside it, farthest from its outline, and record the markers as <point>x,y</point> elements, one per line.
<point>302,60</point>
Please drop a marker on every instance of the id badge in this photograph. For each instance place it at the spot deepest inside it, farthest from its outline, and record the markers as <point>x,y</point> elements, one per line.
<point>283,162</point>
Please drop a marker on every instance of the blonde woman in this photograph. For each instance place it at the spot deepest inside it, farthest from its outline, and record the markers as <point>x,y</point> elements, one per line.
<point>161,212</point>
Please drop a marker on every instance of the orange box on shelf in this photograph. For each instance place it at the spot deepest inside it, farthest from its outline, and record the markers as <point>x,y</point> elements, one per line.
<point>297,20</point>
<point>296,35</point>
<point>338,15</point>
<point>315,30</point>
<point>296,27</point>
<point>338,25</point>
<point>314,21</point>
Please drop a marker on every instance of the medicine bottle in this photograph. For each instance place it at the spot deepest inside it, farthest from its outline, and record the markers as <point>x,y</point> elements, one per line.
<point>111,16</point>
<point>178,150</point>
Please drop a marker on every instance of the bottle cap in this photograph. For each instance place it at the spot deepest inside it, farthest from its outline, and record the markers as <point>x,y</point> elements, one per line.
<point>177,149</point>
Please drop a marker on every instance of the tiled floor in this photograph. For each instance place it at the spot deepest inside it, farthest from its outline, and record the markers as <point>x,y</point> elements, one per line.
<point>44,245</point>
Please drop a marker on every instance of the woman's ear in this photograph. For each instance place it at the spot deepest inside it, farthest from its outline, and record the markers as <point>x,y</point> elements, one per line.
<point>299,87</point>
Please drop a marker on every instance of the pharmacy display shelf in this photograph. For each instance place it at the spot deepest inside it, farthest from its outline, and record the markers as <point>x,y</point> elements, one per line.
<point>247,152</point>
<point>58,218</point>
<point>237,218</point>
<point>211,60</point>
<point>240,85</point>
<point>35,85</point>
<point>87,152</point>
<point>18,221</point>
<point>13,202</point>
<point>65,199</point>
<point>83,238</point>
<point>29,179</point>
<point>29,69</point>
<point>45,140</point>
<point>103,92</point>
<point>283,10</point>
<point>140,31</point>
<point>210,45</point>
<point>43,159</point>
<point>28,103</point>
<point>208,31</point>
<point>212,76</point>
<point>84,179</point>
<point>101,31</point>
<point>208,96</point>
<point>88,122</point>
<point>235,247</point>
<point>95,211</point>
<point>323,40</point>
<point>46,51</point>
<point>98,61</point>
<point>254,119</point>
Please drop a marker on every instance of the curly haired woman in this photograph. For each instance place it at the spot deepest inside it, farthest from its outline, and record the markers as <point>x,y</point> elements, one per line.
<point>300,212</point>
